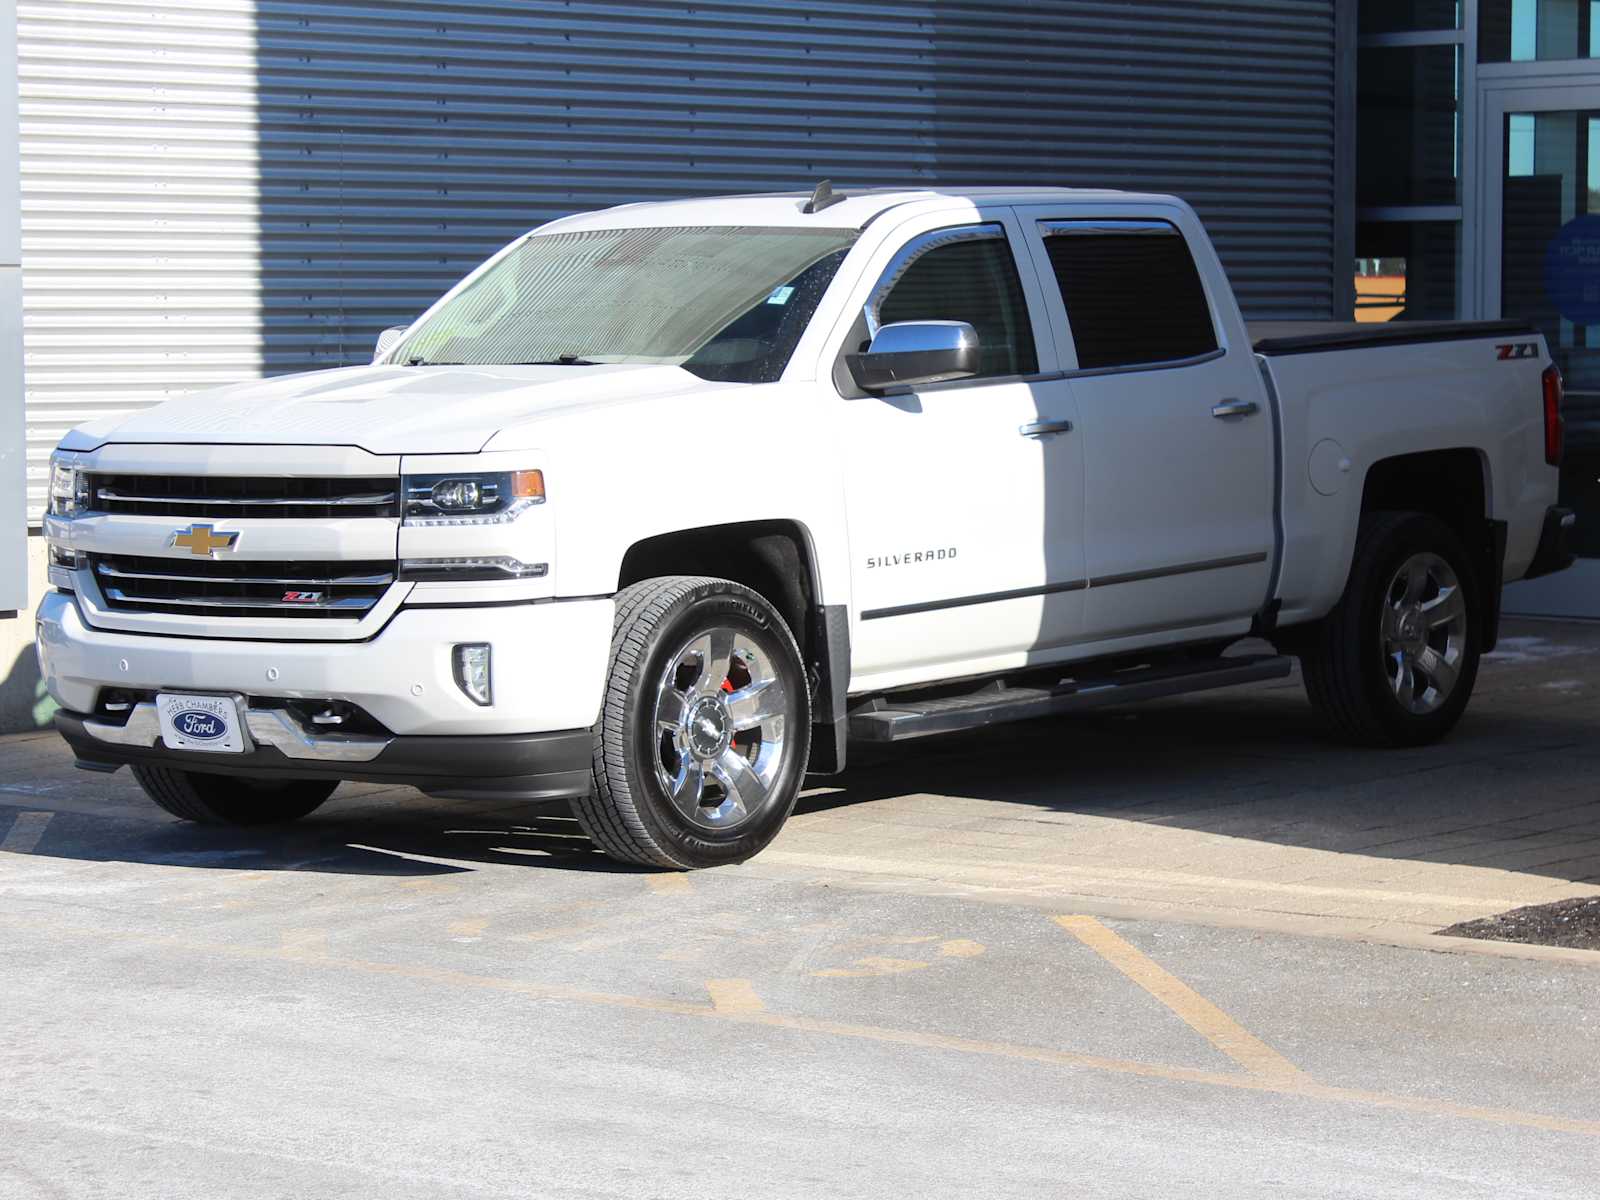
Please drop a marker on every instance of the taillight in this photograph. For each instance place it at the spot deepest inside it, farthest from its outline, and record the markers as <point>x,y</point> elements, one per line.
<point>1554,427</point>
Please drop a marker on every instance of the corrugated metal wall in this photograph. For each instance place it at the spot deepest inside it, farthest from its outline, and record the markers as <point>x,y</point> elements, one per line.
<point>140,213</point>
<point>219,188</point>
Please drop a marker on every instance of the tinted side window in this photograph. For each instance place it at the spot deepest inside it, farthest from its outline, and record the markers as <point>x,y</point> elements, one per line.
<point>973,280</point>
<point>1132,297</point>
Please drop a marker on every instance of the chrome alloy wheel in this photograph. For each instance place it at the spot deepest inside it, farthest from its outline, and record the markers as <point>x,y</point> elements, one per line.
<point>720,715</point>
<point>1424,632</point>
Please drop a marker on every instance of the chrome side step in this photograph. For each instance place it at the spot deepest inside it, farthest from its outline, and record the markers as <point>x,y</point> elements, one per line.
<point>893,719</point>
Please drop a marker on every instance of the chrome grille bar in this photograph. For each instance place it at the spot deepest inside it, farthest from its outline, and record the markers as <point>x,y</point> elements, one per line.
<point>108,571</point>
<point>348,603</point>
<point>372,500</point>
<point>263,497</point>
<point>330,590</point>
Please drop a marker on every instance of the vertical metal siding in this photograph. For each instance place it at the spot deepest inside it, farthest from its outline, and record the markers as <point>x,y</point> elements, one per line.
<point>217,189</point>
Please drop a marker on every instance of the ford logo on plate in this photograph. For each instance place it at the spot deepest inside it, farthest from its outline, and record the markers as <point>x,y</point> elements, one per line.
<point>202,726</point>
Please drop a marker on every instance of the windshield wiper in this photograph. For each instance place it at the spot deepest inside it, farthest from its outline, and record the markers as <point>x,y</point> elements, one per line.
<point>561,360</point>
<point>419,361</point>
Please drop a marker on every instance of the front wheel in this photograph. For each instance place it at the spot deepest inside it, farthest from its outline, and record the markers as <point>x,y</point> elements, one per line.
<point>228,800</point>
<point>701,746</point>
<point>1395,662</point>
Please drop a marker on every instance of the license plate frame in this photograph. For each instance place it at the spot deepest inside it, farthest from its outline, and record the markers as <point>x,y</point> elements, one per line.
<point>208,724</point>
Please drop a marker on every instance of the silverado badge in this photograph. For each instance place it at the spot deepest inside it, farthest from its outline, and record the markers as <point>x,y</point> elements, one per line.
<point>203,541</point>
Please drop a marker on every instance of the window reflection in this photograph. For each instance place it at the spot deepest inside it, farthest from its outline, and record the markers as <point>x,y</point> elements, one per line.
<point>1550,275</point>
<point>1408,125</point>
<point>1534,30</point>
<point>1407,270</point>
<point>1407,16</point>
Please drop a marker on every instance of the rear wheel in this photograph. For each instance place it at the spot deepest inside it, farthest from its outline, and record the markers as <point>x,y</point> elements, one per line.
<point>1395,662</point>
<point>228,800</point>
<point>701,747</point>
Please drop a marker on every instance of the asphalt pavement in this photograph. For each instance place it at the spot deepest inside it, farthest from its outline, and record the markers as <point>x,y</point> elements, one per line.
<point>1112,957</point>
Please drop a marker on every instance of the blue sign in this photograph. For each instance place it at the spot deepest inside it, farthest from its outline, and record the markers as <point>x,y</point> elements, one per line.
<point>202,726</point>
<point>1572,270</point>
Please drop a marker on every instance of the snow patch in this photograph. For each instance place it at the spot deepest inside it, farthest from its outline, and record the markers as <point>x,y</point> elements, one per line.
<point>1532,649</point>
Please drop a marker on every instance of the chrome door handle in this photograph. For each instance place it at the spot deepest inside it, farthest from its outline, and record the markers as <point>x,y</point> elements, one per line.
<point>1234,408</point>
<point>1045,428</point>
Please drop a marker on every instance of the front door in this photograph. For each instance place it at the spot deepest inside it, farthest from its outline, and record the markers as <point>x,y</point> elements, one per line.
<point>1541,262</point>
<point>965,512</point>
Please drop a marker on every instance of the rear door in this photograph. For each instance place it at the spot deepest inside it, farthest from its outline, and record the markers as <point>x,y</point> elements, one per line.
<point>1178,444</point>
<point>965,512</point>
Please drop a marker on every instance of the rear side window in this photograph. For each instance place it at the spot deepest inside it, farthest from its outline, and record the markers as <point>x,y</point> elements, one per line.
<point>1132,292</point>
<point>965,275</point>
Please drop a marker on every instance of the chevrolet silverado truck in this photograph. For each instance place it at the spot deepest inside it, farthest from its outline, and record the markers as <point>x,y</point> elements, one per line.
<point>664,506</point>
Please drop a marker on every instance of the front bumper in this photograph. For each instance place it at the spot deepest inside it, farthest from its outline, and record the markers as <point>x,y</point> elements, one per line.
<point>1553,553</point>
<point>530,766</point>
<point>549,666</point>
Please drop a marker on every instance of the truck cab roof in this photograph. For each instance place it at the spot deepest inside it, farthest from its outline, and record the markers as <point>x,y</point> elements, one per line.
<point>851,209</point>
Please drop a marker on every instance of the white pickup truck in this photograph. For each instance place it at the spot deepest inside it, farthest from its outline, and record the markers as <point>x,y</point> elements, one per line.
<point>663,505</point>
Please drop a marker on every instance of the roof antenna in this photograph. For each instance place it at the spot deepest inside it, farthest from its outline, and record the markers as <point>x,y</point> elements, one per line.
<point>823,197</point>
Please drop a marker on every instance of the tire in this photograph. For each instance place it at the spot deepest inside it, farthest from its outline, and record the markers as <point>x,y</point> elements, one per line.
<point>1410,612</point>
<point>228,800</point>
<point>707,700</point>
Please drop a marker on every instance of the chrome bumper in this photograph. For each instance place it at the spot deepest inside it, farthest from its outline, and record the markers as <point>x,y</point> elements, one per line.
<point>264,727</point>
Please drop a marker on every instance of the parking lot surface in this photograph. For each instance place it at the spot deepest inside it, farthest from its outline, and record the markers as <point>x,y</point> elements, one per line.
<point>1183,949</point>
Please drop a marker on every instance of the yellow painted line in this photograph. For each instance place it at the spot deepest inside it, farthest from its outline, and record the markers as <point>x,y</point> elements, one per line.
<point>669,885</point>
<point>1296,1086</point>
<point>558,931</point>
<point>682,954</point>
<point>865,967</point>
<point>25,832</point>
<point>960,948</point>
<point>734,996</point>
<point>305,941</point>
<point>1204,1017</point>
<point>429,886</point>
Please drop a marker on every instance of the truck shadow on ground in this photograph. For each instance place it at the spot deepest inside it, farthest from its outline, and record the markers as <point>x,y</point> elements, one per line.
<point>1261,766</point>
<point>1256,766</point>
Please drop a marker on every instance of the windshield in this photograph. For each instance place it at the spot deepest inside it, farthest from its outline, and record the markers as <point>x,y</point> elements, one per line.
<point>726,303</point>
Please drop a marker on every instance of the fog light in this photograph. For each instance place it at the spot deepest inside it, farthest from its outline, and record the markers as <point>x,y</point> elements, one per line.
<point>472,672</point>
<point>62,564</point>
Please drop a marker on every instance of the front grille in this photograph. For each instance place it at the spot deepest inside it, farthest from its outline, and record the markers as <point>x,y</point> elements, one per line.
<point>346,590</point>
<point>194,496</point>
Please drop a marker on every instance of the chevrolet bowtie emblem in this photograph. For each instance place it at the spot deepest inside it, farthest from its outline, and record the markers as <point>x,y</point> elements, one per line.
<point>203,541</point>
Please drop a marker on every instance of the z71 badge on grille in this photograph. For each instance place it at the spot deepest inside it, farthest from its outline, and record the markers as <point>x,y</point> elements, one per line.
<point>302,597</point>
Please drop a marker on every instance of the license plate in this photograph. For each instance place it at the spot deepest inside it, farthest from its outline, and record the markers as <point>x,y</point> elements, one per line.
<point>209,723</point>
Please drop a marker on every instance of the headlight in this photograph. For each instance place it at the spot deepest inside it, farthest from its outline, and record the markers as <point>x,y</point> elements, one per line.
<point>487,498</point>
<point>451,570</point>
<point>69,488</point>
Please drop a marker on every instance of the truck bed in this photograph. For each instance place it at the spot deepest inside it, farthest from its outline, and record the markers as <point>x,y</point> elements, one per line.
<point>1320,337</point>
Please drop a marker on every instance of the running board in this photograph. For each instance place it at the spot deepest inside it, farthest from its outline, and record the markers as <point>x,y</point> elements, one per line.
<point>888,719</point>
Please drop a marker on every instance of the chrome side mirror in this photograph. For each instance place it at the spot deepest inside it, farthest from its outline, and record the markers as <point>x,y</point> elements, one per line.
<point>911,353</point>
<point>387,339</point>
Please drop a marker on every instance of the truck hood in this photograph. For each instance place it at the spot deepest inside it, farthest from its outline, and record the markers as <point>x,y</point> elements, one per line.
<point>391,409</point>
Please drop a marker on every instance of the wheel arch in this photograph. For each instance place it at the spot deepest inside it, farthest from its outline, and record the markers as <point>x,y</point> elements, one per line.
<point>1457,486</point>
<point>778,559</point>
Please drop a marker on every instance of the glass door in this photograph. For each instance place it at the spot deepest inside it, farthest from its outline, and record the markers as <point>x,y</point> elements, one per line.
<point>1541,263</point>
